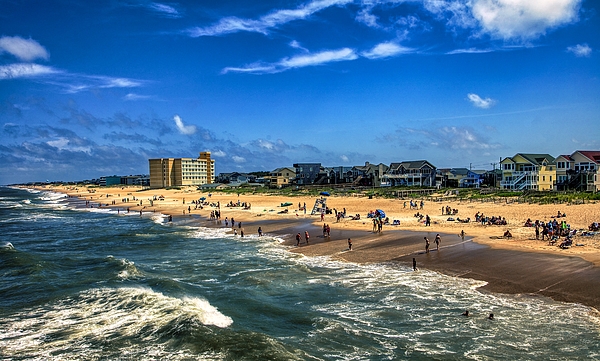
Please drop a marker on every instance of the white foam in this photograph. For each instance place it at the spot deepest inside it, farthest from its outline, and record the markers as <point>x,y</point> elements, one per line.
<point>101,314</point>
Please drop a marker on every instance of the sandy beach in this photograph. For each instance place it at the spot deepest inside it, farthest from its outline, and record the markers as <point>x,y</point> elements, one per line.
<point>520,265</point>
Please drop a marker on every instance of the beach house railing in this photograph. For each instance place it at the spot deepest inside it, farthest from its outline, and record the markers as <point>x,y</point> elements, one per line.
<point>520,181</point>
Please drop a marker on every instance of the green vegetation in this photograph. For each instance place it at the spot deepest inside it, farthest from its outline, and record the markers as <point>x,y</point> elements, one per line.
<point>463,194</point>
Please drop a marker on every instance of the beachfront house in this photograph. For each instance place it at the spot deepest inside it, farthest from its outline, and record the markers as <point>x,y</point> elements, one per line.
<point>307,173</point>
<point>174,172</point>
<point>368,174</point>
<point>235,178</point>
<point>579,171</point>
<point>339,174</point>
<point>525,171</point>
<point>282,177</point>
<point>418,173</point>
<point>461,177</point>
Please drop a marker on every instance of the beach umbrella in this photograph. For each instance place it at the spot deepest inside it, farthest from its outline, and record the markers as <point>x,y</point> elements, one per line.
<point>202,198</point>
<point>325,194</point>
<point>381,213</point>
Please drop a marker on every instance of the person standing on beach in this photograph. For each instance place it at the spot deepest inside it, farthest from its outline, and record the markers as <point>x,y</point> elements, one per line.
<point>437,241</point>
<point>349,244</point>
<point>306,236</point>
<point>298,237</point>
<point>426,245</point>
<point>260,232</point>
<point>427,220</point>
<point>462,234</point>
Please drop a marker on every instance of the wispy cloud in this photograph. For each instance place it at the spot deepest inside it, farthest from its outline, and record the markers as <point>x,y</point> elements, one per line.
<point>238,159</point>
<point>449,138</point>
<point>134,97</point>
<point>480,102</point>
<point>164,10</point>
<point>470,51</point>
<point>182,128</point>
<point>385,50</point>
<point>25,70</point>
<point>76,83</point>
<point>298,61</point>
<point>580,50</point>
<point>23,49</point>
<point>263,24</point>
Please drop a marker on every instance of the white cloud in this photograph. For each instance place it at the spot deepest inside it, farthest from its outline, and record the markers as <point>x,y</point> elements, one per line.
<point>469,51</point>
<point>164,10</point>
<point>523,19</point>
<point>580,50</point>
<point>234,24</point>
<point>319,58</point>
<point>24,49</point>
<point>296,45</point>
<point>238,159</point>
<point>385,50</point>
<point>479,102</point>
<point>133,97</point>
<point>23,70</point>
<point>218,154</point>
<point>298,61</point>
<point>344,158</point>
<point>184,129</point>
<point>65,144</point>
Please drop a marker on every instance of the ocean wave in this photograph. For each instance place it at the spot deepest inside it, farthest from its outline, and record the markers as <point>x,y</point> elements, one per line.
<point>139,319</point>
<point>7,246</point>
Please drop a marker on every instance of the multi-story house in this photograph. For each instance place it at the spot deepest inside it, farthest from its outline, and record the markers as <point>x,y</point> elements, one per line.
<point>173,172</point>
<point>369,174</point>
<point>282,177</point>
<point>410,173</point>
<point>528,171</point>
<point>579,171</point>
<point>307,173</point>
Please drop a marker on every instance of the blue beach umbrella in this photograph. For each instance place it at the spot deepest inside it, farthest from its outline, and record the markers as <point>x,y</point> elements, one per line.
<point>325,194</point>
<point>381,213</point>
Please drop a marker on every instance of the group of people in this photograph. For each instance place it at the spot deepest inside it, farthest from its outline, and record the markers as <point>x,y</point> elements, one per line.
<point>437,240</point>
<point>490,221</point>
<point>449,211</point>
<point>299,237</point>
<point>415,205</point>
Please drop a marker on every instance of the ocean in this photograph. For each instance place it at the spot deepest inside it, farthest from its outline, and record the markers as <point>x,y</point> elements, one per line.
<point>94,284</point>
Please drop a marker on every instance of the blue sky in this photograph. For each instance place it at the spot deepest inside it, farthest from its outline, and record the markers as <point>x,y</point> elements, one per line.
<point>93,88</point>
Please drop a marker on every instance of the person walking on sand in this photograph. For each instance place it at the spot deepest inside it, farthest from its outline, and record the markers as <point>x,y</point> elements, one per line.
<point>462,234</point>
<point>427,220</point>
<point>437,241</point>
<point>260,232</point>
<point>349,244</point>
<point>306,236</point>
<point>298,237</point>
<point>426,245</point>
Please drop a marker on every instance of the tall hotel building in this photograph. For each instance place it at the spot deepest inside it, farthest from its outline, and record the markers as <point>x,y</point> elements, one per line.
<point>173,172</point>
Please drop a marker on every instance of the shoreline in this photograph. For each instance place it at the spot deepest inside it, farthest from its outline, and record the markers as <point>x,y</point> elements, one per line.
<point>517,266</point>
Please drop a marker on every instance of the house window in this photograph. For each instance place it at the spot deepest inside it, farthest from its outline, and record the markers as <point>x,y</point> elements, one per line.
<point>543,178</point>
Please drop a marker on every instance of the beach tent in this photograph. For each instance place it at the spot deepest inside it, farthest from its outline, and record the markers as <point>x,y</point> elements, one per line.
<point>381,213</point>
<point>202,198</point>
<point>286,204</point>
<point>325,194</point>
